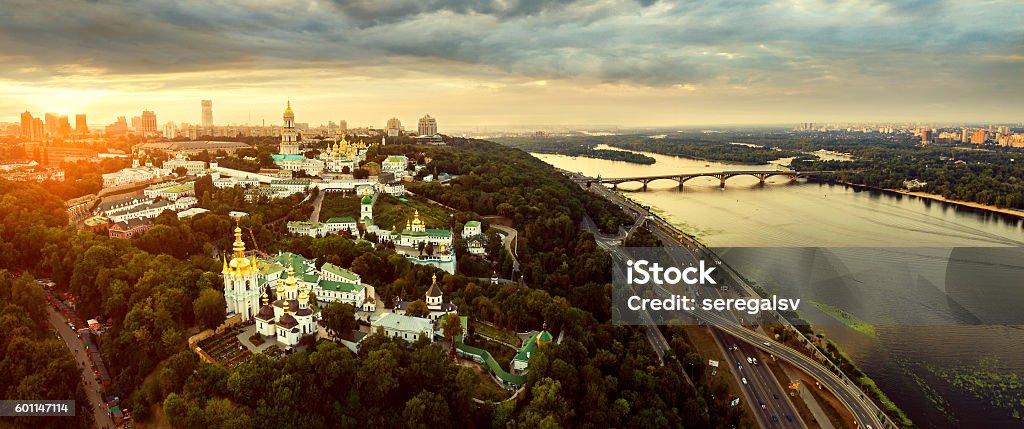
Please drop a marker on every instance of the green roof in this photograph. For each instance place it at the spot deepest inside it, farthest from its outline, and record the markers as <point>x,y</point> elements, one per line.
<point>269,268</point>
<point>279,157</point>
<point>176,189</point>
<point>340,286</point>
<point>396,158</point>
<point>530,345</point>
<point>298,261</point>
<point>341,220</point>
<point>473,224</point>
<point>345,274</point>
<point>440,232</point>
<point>367,200</point>
<point>290,182</point>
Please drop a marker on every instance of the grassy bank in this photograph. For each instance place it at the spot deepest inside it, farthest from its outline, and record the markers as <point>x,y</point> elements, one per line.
<point>847,319</point>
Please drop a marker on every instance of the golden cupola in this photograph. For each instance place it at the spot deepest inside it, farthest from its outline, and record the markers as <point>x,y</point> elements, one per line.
<point>303,296</point>
<point>417,223</point>
<point>290,282</point>
<point>240,265</point>
<point>288,110</point>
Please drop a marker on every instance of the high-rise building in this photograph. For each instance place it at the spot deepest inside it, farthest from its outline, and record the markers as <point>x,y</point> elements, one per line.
<point>63,125</point>
<point>81,127</point>
<point>965,135</point>
<point>427,126</point>
<point>978,137</point>
<point>26,126</point>
<point>207,113</point>
<point>394,127</point>
<point>342,126</point>
<point>120,126</point>
<point>137,124</point>
<point>38,129</point>
<point>52,123</point>
<point>926,136</point>
<point>148,123</point>
<point>170,131</point>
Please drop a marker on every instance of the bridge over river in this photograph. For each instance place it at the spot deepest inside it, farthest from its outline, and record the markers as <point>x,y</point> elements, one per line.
<point>722,176</point>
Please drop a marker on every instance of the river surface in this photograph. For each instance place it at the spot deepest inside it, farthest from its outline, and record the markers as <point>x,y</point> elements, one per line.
<point>924,367</point>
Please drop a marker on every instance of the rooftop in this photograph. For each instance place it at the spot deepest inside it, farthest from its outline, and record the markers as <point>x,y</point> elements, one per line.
<point>341,286</point>
<point>341,220</point>
<point>336,270</point>
<point>400,322</point>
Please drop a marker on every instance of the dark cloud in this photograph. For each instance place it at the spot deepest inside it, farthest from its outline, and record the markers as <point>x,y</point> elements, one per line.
<point>641,42</point>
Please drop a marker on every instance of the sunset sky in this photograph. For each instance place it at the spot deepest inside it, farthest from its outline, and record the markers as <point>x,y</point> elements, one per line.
<point>516,62</point>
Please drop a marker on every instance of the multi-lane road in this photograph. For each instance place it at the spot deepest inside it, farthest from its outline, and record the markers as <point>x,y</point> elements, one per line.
<point>761,384</point>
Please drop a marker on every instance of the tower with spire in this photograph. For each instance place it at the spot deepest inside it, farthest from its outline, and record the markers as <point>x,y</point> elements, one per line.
<point>241,283</point>
<point>289,135</point>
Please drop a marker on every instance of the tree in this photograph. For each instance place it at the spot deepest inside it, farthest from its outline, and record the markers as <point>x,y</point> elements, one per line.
<point>339,318</point>
<point>209,308</point>
<point>417,308</point>
<point>451,325</point>
<point>180,171</point>
<point>426,410</point>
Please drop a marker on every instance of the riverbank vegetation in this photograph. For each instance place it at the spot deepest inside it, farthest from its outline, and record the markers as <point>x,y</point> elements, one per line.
<point>851,321</point>
<point>703,148</point>
<point>991,177</point>
<point>573,146</point>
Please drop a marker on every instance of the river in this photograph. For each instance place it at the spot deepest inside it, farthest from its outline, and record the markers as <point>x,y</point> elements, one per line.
<point>922,368</point>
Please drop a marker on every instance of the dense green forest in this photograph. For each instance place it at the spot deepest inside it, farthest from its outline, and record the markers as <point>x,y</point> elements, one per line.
<point>157,288</point>
<point>573,146</point>
<point>981,176</point>
<point>701,147</point>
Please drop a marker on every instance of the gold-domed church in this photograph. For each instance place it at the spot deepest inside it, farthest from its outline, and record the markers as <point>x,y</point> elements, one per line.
<point>241,286</point>
<point>289,317</point>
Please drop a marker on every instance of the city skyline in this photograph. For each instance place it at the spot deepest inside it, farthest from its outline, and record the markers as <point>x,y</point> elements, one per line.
<point>485,64</point>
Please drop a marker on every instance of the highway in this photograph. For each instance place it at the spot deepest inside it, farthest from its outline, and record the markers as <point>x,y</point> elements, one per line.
<point>865,412</point>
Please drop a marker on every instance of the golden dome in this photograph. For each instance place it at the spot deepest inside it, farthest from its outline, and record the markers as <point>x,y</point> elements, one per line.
<point>280,289</point>
<point>240,265</point>
<point>288,110</point>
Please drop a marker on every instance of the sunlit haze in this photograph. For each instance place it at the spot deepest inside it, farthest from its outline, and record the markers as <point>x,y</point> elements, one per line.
<point>471,64</point>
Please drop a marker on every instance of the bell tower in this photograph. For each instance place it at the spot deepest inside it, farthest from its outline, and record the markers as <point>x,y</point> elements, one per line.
<point>241,287</point>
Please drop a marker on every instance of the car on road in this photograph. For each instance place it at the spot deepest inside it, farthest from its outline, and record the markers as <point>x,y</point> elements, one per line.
<point>749,360</point>
<point>744,380</point>
<point>775,419</point>
<point>739,365</point>
<point>763,406</point>
<point>754,360</point>
<point>789,417</point>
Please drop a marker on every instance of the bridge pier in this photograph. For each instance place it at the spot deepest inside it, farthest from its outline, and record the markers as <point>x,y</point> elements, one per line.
<point>721,183</point>
<point>645,186</point>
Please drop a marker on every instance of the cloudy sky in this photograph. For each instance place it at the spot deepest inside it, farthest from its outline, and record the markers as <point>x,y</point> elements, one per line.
<point>517,62</point>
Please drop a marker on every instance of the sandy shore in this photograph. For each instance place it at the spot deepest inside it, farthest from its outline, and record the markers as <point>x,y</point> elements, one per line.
<point>940,198</point>
<point>959,203</point>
